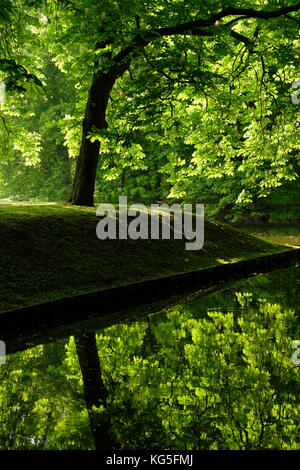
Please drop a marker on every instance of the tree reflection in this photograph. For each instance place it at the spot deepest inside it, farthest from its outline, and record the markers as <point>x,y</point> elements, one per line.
<point>94,391</point>
<point>188,378</point>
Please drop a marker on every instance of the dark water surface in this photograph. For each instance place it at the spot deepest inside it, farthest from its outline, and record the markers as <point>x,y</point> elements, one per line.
<point>215,372</point>
<point>283,234</point>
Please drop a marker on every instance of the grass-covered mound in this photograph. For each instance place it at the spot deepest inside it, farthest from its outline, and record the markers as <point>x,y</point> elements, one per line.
<point>49,251</point>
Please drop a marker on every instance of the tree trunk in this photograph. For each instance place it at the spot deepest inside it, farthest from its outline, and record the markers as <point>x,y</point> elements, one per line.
<point>82,193</point>
<point>62,152</point>
<point>95,393</point>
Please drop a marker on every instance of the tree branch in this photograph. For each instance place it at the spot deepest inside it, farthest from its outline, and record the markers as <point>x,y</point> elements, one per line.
<point>230,11</point>
<point>241,38</point>
<point>143,38</point>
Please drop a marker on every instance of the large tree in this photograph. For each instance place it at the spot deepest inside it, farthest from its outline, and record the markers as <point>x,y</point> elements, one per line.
<point>123,31</point>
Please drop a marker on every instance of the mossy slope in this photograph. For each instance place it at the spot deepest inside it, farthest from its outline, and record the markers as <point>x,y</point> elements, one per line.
<point>49,251</point>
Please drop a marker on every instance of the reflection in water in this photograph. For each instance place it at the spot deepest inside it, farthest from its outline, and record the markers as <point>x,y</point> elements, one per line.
<point>214,373</point>
<point>94,391</point>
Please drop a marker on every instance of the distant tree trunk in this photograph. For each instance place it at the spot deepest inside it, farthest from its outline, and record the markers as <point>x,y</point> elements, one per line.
<point>63,155</point>
<point>95,393</point>
<point>82,193</point>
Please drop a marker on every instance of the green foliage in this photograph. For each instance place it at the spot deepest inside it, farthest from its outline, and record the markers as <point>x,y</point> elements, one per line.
<point>5,10</point>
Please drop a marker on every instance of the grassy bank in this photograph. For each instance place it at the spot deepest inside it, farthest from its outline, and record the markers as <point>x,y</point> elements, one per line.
<point>49,251</point>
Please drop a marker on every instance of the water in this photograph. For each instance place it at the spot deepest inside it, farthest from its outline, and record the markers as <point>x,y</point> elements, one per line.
<point>215,372</point>
<point>283,234</point>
